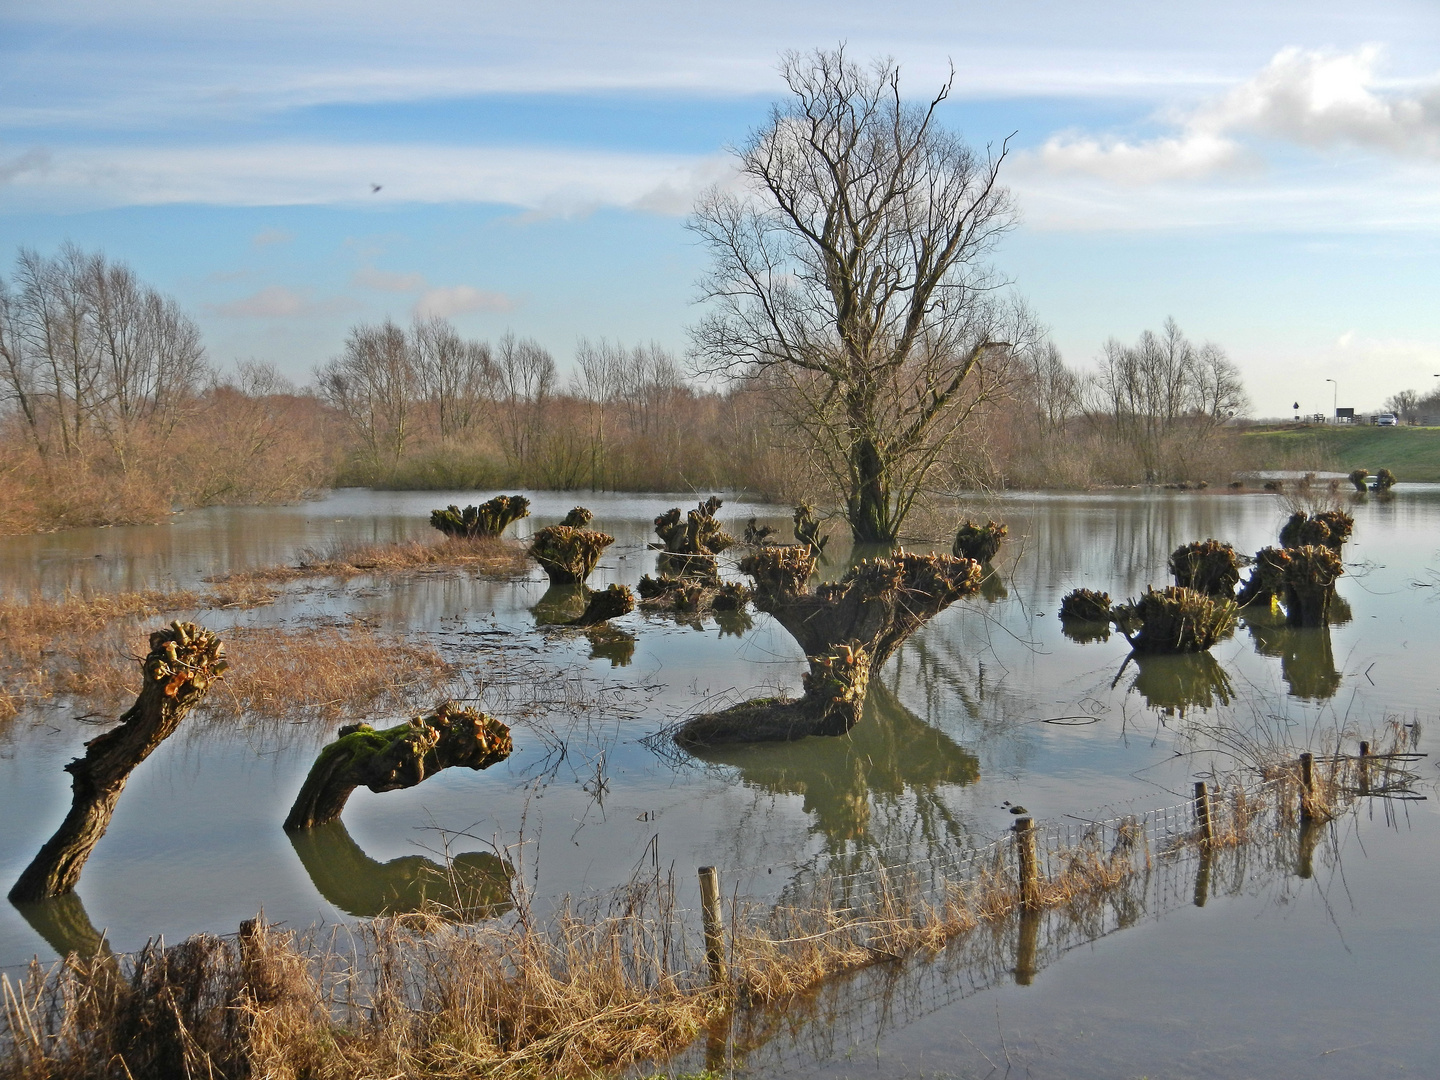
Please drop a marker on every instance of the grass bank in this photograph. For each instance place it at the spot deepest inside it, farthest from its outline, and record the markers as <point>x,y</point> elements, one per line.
<point>1411,453</point>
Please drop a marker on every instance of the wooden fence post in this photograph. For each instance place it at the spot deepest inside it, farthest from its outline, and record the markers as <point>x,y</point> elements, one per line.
<point>714,923</point>
<point>1029,872</point>
<point>1202,813</point>
<point>1307,785</point>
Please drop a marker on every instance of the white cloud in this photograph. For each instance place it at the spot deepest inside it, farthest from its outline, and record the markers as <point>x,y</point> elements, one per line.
<point>1318,100</point>
<point>368,277</point>
<point>278,302</point>
<point>461,300</point>
<point>32,161</point>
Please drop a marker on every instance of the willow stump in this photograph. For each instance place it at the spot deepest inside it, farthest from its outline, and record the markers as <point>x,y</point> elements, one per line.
<point>568,552</point>
<point>847,628</point>
<point>978,542</point>
<point>183,662</point>
<point>395,758</point>
<point>488,519</point>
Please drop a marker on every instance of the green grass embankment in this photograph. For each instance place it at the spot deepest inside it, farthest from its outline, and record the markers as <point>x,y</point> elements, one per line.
<point>1411,453</point>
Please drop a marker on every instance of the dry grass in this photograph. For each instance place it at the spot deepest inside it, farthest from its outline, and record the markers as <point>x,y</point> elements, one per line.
<point>85,649</point>
<point>491,556</point>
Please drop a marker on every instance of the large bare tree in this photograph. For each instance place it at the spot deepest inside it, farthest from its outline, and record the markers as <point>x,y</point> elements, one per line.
<point>849,271</point>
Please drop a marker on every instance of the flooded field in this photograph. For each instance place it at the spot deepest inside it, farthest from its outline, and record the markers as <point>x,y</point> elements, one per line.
<point>1312,958</point>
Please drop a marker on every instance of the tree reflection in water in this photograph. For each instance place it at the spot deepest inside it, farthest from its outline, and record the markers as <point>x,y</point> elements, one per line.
<point>1176,683</point>
<point>475,885</point>
<point>559,605</point>
<point>611,643</point>
<point>65,925</point>
<point>1307,661</point>
<point>848,782</point>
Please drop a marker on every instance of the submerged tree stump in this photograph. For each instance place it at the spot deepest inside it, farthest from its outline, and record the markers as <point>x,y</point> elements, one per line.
<point>395,758</point>
<point>604,604</point>
<point>1358,478</point>
<point>488,519</point>
<point>184,660</point>
<point>1208,567</point>
<point>1266,578</point>
<point>1384,481</point>
<point>1085,605</point>
<point>978,542</point>
<point>1309,578</point>
<point>689,545</point>
<point>847,629</point>
<point>568,552</point>
<point>1329,528</point>
<point>1175,620</point>
<point>807,528</point>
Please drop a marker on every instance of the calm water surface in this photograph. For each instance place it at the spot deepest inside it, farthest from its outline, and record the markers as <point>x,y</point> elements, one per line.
<point>1275,976</point>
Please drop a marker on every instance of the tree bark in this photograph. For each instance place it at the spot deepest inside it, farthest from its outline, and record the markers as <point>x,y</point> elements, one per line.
<point>394,758</point>
<point>184,660</point>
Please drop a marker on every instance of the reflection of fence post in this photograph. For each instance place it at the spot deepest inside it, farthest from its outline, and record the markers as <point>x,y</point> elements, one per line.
<point>1364,768</point>
<point>714,923</point>
<point>1025,853</point>
<point>1202,813</point>
<point>1027,946</point>
<point>1307,786</point>
<point>1202,877</point>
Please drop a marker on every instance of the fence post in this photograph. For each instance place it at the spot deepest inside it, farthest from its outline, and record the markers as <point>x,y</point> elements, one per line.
<point>1364,768</point>
<point>1029,873</point>
<point>1202,813</point>
<point>1307,785</point>
<point>714,923</point>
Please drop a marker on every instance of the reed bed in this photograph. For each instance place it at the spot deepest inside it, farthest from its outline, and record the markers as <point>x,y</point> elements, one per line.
<point>623,979</point>
<point>487,555</point>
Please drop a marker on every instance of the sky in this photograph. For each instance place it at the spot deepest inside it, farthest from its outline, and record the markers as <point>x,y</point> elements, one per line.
<point>1266,173</point>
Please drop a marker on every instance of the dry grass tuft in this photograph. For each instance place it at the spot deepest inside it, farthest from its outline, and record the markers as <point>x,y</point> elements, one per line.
<point>488,555</point>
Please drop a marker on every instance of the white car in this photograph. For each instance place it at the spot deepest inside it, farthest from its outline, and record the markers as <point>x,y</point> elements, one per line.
<point>1386,419</point>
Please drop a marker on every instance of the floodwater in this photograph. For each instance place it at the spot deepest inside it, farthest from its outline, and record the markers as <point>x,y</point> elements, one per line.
<point>987,707</point>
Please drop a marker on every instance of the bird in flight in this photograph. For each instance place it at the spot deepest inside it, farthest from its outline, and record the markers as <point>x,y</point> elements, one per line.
<point>374,188</point>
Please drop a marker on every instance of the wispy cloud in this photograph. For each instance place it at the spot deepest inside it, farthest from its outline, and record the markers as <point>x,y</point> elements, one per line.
<point>461,300</point>
<point>278,302</point>
<point>367,277</point>
<point>550,182</point>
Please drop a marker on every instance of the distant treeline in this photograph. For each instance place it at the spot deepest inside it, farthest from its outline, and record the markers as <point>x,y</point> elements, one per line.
<point>110,412</point>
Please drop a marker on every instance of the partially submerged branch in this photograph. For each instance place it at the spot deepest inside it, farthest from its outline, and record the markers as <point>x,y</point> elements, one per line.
<point>397,757</point>
<point>183,662</point>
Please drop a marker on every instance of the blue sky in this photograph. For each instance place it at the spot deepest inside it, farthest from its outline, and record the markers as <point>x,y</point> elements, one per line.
<point>1266,173</point>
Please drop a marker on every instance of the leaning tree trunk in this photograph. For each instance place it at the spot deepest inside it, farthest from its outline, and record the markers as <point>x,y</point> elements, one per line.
<point>394,758</point>
<point>184,660</point>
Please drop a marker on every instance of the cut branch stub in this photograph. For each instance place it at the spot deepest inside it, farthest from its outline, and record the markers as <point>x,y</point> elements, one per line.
<point>604,604</point>
<point>568,553</point>
<point>184,660</point>
<point>697,534</point>
<point>781,571</point>
<point>397,757</point>
<point>488,519</point>
<point>1330,528</point>
<point>1207,566</point>
<point>978,542</point>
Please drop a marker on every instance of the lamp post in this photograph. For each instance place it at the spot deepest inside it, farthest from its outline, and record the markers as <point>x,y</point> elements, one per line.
<point>1335,402</point>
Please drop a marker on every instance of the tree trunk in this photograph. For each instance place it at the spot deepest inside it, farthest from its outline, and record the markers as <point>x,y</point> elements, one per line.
<point>397,757</point>
<point>868,506</point>
<point>184,660</point>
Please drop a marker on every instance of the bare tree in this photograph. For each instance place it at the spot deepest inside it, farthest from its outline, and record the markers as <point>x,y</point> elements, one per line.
<point>1165,394</point>
<point>455,375</point>
<point>526,374</point>
<point>853,267</point>
<point>1405,405</point>
<point>375,384</point>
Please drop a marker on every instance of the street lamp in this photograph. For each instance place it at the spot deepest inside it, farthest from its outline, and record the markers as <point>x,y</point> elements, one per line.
<point>1335,402</point>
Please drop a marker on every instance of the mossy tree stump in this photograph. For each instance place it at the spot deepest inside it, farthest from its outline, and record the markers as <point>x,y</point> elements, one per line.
<point>689,544</point>
<point>1085,605</point>
<point>1175,620</point>
<point>1358,478</point>
<point>395,758</point>
<point>1329,528</point>
<point>568,552</point>
<point>1308,578</point>
<point>978,542</point>
<point>183,662</point>
<point>807,528</point>
<point>488,519</point>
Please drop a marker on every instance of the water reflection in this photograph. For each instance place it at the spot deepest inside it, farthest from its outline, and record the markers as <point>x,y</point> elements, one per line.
<point>476,884</point>
<point>889,756</point>
<point>992,586</point>
<point>1307,660</point>
<point>559,605</point>
<point>1175,684</point>
<point>613,644</point>
<point>65,925</point>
